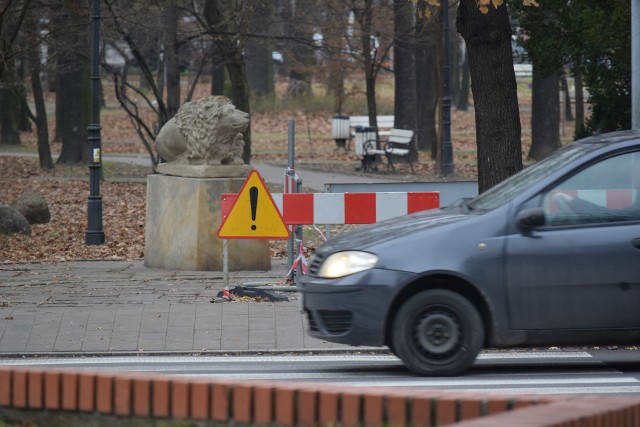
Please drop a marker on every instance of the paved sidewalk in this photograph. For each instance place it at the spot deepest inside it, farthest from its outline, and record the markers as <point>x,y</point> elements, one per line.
<point>116,307</point>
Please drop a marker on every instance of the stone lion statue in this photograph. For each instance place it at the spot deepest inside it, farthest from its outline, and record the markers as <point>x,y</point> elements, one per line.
<point>204,132</point>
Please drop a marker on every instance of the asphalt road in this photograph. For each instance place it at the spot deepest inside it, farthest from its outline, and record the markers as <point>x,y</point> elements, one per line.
<point>520,372</point>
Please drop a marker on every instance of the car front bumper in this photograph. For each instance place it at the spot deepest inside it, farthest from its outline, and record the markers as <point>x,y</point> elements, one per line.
<point>353,309</point>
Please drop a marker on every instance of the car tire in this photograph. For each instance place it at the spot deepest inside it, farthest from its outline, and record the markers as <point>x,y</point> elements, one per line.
<point>437,333</point>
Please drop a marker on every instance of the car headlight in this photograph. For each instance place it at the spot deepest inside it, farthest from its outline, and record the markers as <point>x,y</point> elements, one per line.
<point>344,263</point>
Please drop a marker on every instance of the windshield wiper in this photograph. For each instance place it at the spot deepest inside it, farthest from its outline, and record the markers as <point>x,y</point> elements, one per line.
<point>461,204</point>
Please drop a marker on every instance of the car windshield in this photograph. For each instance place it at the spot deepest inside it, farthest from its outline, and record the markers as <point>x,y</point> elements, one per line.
<point>512,186</point>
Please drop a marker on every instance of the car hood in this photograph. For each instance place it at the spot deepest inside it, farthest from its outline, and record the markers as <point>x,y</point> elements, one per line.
<point>374,234</point>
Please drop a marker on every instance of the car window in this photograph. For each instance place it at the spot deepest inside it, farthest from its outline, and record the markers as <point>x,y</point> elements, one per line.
<point>605,192</point>
<point>512,186</point>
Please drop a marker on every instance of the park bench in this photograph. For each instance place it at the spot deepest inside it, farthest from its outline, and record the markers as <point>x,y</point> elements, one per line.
<point>343,128</point>
<point>397,146</point>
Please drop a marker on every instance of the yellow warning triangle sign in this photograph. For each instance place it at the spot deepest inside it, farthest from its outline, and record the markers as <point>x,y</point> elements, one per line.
<point>254,214</point>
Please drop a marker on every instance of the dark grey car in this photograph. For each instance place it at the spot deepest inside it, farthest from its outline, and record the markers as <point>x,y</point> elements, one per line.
<point>550,256</point>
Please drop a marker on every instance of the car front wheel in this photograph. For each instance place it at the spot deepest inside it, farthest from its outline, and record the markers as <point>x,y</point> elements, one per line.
<point>437,332</point>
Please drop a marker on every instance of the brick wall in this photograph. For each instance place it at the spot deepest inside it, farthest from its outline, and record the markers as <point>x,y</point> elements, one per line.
<point>293,404</point>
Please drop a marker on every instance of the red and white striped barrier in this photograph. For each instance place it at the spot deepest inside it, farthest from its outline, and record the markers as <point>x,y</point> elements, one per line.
<point>612,198</point>
<point>346,208</point>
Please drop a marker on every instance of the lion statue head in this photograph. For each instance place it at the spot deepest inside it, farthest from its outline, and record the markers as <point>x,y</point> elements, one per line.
<point>204,132</point>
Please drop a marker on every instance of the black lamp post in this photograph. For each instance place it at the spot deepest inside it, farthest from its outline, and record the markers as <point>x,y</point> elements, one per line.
<point>94,234</point>
<point>446,164</point>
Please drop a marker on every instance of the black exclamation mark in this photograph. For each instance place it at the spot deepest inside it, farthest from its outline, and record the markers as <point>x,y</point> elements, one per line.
<point>253,199</point>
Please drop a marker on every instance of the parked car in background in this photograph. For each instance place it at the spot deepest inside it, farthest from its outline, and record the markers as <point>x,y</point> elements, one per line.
<point>550,256</point>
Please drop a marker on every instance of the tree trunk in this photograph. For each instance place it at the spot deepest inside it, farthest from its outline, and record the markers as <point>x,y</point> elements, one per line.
<point>240,96</point>
<point>427,78</point>
<point>369,61</point>
<point>260,68</point>
<point>217,75</point>
<point>488,39</point>
<point>9,133</point>
<point>579,97</point>
<point>74,95</point>
<point>545,115</point>
<point>463,99</point>
<point>231,48</point>
<point>74,83</point>
<point>333,41</point>
<point>564,86</point>
<point>404,66</point>
<point>44,151</point>
<point>170,18</point>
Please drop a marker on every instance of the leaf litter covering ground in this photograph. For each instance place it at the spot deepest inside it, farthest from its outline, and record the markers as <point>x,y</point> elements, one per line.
<point>67,189</point>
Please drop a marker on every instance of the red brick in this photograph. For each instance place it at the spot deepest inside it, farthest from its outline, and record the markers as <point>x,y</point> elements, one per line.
<point>161,397</point>
<point>5,387</point>
<point>86,392</point>
<point>351,415</point>
<point>496,406</point>
<point>397,410</point>
<point>70,391</point>
<point>328,407</point>
<point>373,409</point>
<point>179,399</point>
<point>445,411</point>
<point>285,406</point>
<point>220,402</point>
<point>470,408</point>
<point>242,404</point>
<point>199,393</point>
<point>262,405</point>
<point>423,405</point>
<point>141,397</point>
<point>104,394</point>
<point>307,408</point>
<point>35,380</point>
<point>20,389</point>
<point>52,390</point>
<point>122,396</point>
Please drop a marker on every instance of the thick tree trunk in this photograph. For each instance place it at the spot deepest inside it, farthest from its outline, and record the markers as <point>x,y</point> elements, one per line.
<point>73,91</point>
<point>260,68</point>
<point>404,66</point>
<point>493,83</point>
<point>404,70</point>
<point>74,83</point>
<point>9,133</point>
<point>545,115</point>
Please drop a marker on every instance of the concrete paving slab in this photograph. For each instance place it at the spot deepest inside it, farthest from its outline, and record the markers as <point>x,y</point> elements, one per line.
<point>121,307</point>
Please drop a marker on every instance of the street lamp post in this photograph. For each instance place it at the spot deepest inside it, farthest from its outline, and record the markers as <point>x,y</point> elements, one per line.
<point>94,234</point>
<point>446,164</point>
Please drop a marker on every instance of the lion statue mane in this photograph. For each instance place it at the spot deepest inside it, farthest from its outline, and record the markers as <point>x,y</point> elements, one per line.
<point>204,132</point>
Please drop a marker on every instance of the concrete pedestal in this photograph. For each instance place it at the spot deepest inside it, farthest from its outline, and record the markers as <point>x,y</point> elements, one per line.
<point>183,217</point>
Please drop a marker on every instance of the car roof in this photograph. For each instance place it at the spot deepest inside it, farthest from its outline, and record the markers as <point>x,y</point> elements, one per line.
<point>611,137</point>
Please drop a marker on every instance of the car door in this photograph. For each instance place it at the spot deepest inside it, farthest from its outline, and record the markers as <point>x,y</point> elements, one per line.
<point>581,270</point>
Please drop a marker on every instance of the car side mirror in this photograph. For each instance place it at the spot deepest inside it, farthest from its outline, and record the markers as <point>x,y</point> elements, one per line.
<point>532,217</point>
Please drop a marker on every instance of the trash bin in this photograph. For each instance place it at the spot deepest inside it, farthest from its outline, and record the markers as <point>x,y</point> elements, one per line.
<point>340,130</point>
<point>364,134</point>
